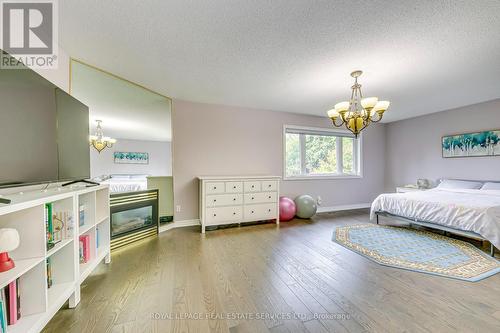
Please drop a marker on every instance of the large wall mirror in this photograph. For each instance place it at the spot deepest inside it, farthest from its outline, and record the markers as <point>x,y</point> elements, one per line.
<point>141,157</point>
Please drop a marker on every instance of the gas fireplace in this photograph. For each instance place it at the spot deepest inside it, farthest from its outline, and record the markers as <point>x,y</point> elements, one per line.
<point>134,216</point>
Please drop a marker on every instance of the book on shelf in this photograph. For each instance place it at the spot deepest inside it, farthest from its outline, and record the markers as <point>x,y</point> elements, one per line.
<point>49,273</point>
<point>48,222</point>
<point>10,307</point>
<point>97,236</point>
<point>62,226</point>
<point>84,247</point>
<point>81,215</point>
<point>59,225</point>
<point>12,299</point>
<point>3,311</point>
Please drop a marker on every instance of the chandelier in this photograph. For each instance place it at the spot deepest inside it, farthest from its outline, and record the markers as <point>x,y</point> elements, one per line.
<point>359,112</point>
<point>99,141</point>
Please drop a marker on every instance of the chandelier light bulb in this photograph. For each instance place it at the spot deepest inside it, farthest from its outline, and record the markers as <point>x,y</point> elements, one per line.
<point>369,102</point>
<point>333,113</point>
<point>342,106</point>
<point>381,106</point>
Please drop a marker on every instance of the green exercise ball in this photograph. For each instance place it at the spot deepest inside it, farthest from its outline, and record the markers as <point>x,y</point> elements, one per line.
<point>306,206</point>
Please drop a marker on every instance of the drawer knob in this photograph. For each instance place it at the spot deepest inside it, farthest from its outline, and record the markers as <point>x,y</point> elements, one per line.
<point>234,186</point>
<point>234,199</point>
<point>269,185</point>
<point>234,213</point>
<point>215,200</point>
<point>252,211</point>
<point>253,186</point>
<point>215,215</point>
<point>269,210</point>
<point>215,187</point>
<point>269,197</point>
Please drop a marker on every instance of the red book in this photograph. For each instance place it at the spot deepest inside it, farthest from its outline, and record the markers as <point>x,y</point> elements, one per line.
<point>12,302</point>
<point>85,239</point>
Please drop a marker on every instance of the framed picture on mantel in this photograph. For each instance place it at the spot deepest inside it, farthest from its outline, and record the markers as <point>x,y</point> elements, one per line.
<point>130,157</point>
<point>485,143</point>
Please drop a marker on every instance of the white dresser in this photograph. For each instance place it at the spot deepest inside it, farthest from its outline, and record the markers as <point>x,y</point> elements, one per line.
<point>237,199</point>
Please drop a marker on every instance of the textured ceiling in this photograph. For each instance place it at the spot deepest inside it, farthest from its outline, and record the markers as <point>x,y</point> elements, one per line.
<point>295,55</point>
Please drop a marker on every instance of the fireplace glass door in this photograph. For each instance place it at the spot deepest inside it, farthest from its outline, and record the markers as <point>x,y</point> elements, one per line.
<point>133,212</point>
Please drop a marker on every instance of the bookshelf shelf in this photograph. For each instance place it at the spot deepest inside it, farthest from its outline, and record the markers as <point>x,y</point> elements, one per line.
<point>59,293</point>
<point>22,266</point>
<point>35,266</point>
<point>84,229</point>
<point>26,323</point>
<point>59,246</point>
<point>104,219</point>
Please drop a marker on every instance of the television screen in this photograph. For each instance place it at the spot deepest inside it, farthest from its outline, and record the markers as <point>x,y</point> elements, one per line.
<point>43,131</point>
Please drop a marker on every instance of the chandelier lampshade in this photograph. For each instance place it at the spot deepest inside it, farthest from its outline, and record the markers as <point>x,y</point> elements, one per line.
<point>357,113</point>
<point>99,141</point>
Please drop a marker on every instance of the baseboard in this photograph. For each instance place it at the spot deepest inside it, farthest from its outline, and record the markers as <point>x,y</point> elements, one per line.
<point>343,207</point>
<point>179,224</point>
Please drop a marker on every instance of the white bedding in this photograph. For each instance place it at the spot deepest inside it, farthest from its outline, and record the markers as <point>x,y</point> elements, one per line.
<point>470,210</point>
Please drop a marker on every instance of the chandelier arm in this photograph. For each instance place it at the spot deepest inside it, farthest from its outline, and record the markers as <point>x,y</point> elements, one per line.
<point>379,118</point>
<point>339,125</point>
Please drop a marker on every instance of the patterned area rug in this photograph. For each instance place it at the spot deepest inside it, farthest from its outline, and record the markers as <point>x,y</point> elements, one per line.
<point>417,250</point>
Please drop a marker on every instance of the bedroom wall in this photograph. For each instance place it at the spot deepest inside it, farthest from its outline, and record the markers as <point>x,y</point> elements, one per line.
<point>413,146</point>
<point>160,158</point>
<point>224,140</point>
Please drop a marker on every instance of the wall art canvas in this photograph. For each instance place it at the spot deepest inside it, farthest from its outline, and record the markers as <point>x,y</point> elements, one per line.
<point>131,157</point>
<point>486,143</point>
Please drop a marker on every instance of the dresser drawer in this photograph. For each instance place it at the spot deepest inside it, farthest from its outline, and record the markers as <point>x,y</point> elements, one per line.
<point>252,186</point>
<point>260,212</point>
<point>269,185</point>
<point>214,188</point>
<point>260,197</point>
<point>223,200</point>
<point>234,187</point>
<point>223,214</point>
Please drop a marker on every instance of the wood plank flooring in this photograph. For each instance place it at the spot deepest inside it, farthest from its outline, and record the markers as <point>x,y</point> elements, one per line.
<point>262,278</point>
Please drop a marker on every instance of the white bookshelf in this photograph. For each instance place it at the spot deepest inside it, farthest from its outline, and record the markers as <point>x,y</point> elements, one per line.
<point>38,303</point>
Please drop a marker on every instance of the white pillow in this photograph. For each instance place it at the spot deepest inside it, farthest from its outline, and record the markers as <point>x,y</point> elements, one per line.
<point>138,176</point>
<point>120,176</point>
<point>491,186</point>
<point>459,184</point>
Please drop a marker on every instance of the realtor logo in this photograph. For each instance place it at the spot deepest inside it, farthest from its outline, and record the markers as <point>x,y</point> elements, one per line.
<point>29,33</point>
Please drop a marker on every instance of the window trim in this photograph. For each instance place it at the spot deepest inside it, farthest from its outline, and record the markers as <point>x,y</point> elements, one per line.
<point>358,158</point>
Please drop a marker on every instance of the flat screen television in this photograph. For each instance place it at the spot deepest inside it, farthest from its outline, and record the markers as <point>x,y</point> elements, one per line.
<point>43,131</point>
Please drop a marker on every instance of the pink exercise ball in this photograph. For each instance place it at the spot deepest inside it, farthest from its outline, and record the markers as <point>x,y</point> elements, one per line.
<point>287,209</point>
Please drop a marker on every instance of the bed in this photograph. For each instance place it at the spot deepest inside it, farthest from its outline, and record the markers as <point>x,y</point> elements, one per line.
<point>473,213</point>
<point>126,183</point>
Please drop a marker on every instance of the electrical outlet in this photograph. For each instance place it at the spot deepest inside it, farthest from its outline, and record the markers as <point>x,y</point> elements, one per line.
<point>319,200</point>
<point>178,208</point>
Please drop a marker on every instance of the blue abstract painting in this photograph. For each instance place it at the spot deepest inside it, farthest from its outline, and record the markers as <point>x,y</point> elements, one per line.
<point>486,143</point>
<point>130,157</point>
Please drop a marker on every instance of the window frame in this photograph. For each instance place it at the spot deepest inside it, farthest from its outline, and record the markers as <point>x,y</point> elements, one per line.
<point>357,157</point>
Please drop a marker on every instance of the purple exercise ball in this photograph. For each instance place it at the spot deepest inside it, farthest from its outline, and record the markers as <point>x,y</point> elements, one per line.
<point>287,209</point>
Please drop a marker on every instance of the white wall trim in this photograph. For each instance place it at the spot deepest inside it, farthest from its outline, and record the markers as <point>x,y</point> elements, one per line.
<point>343,207</point>
<point>179,224</point>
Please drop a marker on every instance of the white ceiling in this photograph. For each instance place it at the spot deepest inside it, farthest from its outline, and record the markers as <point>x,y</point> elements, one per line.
<point>295,55</point>
<point>126,110</point>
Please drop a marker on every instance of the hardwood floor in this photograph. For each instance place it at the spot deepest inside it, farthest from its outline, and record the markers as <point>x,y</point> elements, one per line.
<point>235,275</point>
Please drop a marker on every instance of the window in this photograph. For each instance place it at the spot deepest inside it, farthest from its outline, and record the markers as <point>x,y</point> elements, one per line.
<point>318,152</point>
